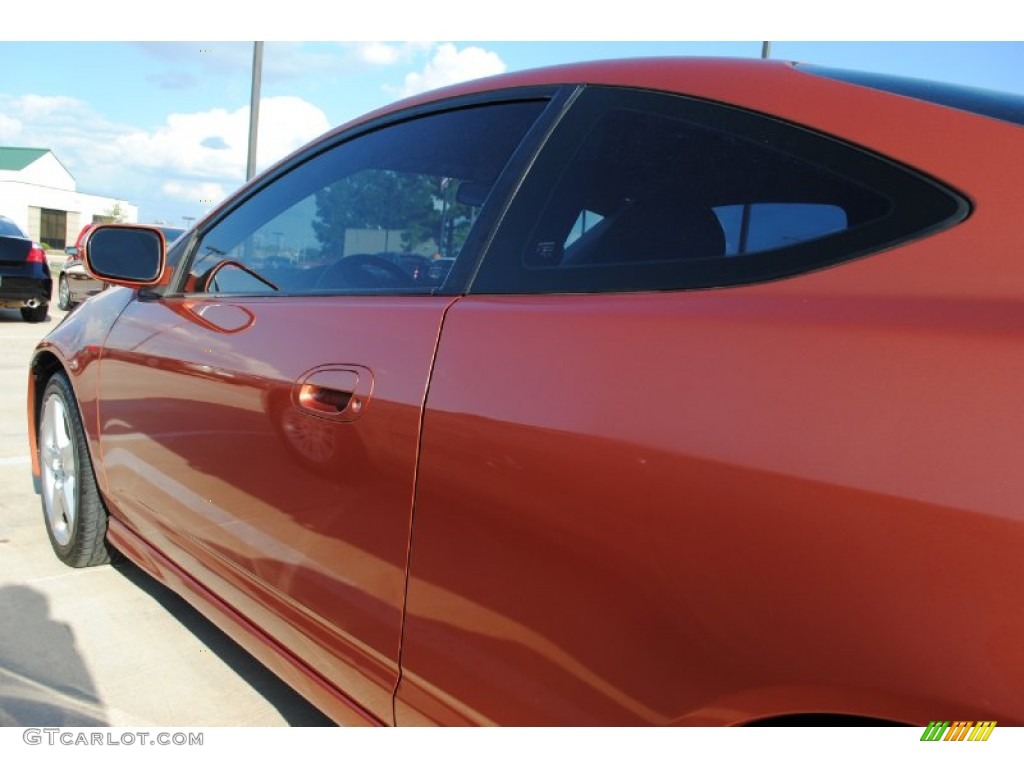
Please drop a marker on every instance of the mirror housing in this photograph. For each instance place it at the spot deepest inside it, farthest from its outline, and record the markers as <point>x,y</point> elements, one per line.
<point>126,254</point>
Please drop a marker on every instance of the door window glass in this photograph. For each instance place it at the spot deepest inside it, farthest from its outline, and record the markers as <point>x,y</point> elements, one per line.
<point>385,212</point>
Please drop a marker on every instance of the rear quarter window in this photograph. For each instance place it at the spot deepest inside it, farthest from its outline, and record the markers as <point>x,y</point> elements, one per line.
<point>9,229</point>
<point>640,191</point>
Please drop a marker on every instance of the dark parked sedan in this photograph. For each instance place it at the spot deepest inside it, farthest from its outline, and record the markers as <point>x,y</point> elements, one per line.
<point>692,396</point>
<point>25,281</point>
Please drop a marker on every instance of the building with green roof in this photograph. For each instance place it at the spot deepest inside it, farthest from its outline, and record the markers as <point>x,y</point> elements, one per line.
<point>40,195</point>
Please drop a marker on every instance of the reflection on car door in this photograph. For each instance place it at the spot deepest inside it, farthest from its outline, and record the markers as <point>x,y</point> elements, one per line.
<point>262,427</point>
<point>296,519</point>
<point>631,497</point>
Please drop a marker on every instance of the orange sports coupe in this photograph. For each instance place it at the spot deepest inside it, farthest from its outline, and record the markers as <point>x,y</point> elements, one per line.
<point>636,392</point>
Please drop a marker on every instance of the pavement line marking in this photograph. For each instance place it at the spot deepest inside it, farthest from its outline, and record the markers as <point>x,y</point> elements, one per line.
<point>15,460</point>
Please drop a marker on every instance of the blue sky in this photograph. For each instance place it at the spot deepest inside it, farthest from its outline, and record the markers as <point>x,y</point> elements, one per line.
<point>163,124</point>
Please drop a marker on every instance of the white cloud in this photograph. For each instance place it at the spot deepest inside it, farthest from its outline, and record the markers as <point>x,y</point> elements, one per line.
<point>192,157</point>
<point>205,192</point>
<point>450,65</point>
<point>82,139</point>
<point>200,157</point>
<point>387,54</point>
<point>286,123</point>
<point>178,145</point>
<point>10,127</point>
<point>183,145</point>
<point>34,107</point>
<point>378,53</point>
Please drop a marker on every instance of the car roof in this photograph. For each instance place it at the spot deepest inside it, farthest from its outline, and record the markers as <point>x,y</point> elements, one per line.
<point>696,76</point>
<point>774,87</point>
<point>771,86</point>
<point>740,81</point>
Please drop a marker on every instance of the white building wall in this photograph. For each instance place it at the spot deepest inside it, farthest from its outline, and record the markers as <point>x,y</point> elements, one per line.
<point>18,197</point>
<point>47,171</point>
<point>13,204</point>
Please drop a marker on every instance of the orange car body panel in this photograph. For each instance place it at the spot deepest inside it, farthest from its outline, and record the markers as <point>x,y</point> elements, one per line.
<point>814,479</point>
<point>75,346</point>
<point>296,520</point>
<point>709,493</point>
<point>700,507</point>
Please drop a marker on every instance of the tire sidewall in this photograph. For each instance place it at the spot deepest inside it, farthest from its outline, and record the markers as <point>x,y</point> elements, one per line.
<point>73,553</point>
<point>63,294</point>
<point>35,314</point>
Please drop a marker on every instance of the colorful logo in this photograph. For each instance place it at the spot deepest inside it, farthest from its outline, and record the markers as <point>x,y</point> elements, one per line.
<point>960,730</point>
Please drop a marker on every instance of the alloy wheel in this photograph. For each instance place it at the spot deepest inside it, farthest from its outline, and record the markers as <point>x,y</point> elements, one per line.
<point>59,470</point>
<point>64,294</point>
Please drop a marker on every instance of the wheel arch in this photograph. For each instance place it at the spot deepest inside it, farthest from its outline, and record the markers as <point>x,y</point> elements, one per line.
<point>73,507</point>
<point>42,368</point>
<point>46,363</point>
<point>823,719</point>
<point>75,347</point>
<point>810,704</point>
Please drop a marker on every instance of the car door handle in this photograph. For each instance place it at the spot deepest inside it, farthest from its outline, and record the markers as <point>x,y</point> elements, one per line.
<point>336,392</point>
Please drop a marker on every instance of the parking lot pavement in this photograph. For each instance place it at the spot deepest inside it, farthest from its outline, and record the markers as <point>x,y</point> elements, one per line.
<point>105,646</point>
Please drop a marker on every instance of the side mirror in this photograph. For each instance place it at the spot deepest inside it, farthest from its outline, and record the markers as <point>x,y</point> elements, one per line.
<point>125,254</point>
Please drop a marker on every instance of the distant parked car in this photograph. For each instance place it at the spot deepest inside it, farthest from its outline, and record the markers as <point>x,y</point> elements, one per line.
<point>170,233</point>
<point>75,285</point>
<point>25,281</point>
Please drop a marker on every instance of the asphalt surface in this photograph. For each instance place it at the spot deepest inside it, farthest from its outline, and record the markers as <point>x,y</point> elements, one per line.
<point>105,646</point>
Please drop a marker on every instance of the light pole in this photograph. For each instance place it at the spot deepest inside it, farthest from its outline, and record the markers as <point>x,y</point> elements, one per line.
<point>254,107</point>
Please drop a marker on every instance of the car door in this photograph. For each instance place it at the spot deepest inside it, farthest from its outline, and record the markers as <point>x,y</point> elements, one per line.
<point>632,493</point>
<point>260,424</point>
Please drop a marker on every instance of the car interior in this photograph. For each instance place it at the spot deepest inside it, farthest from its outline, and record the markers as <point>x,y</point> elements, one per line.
<point>646,188</point>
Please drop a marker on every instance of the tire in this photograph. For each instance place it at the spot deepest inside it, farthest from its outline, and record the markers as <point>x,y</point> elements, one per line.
<point>64,294</point>
<point>34,314</point>
<point>76,520</point>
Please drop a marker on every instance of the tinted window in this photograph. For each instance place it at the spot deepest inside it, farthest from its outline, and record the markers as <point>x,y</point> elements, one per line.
<point>385,212</point>
<point>644,191</point>
<point>763,226</point>
<point>9,229</point>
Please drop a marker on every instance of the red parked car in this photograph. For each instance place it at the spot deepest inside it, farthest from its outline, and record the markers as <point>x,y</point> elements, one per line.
<point>700,404</point>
